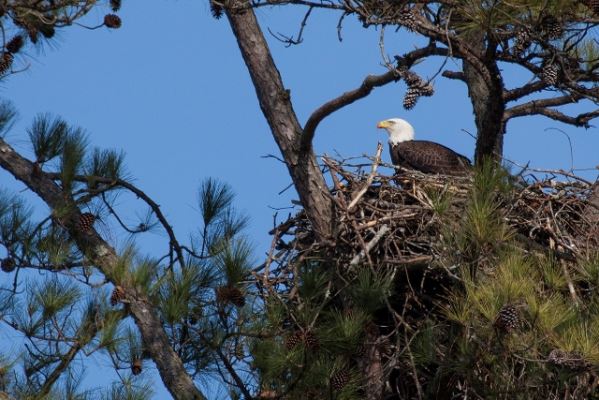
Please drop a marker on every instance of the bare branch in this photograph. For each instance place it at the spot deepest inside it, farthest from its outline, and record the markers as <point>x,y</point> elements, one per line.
<point>369,83</point>
<point>67,358</point>
<point>456,75</point>
<point>537,108</point>
<point>523,91</point>
<point>289,40</point>
<point>541,107</point>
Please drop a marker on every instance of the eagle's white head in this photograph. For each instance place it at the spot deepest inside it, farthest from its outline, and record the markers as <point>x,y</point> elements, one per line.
<point>399,130</point>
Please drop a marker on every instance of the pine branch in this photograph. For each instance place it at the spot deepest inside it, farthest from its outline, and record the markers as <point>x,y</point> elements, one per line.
<point>67,358</point>
<point>100,253</point>
<point>112,183</point>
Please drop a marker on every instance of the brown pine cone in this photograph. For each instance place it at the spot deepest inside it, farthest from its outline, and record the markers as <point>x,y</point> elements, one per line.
<point>136,366</point>
<point>8,264</point>
<point>508,318</point>
<point>112,21</point>
<point>118,294</point>
<point>14,45</point>
<point>340,379</point>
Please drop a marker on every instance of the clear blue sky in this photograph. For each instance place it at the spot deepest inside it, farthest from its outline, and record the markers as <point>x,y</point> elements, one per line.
<point>171,90</point>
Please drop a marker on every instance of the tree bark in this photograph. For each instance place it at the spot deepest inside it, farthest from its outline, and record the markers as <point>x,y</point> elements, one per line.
<point>102,255</point>
<point>591,214</point>
<point>275,103</point>
<point>488,105</point>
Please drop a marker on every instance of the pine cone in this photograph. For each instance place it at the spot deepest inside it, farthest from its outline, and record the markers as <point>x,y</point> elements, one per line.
<point>551,27</point>
<point>112,21</point>
<point>568,359</point>
<point>230,294</point>
<point>311,341</point>
<point>136,366</point>
<point>115,5</point>
<point>8,264</point>
<point>407,19</point>
<point>118,294</point>
<point>550,74</point>
<point>426,90</point>
<point>412,79</point>
<point>293,340</point>
<point>340,379</point>
<point>15,44</point>
<point>85,223</point>
<point>508,318</point>
<point>410,98</point>
<point>5,62</point>
<point>522,41</point>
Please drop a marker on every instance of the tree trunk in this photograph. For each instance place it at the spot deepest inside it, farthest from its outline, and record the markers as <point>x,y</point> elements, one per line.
<point>102,255</point>
<point>488,106</point>
<point>276,105</point>
<point>591,214</point>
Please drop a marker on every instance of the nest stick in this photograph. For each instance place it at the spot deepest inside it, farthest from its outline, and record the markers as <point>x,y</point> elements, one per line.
<point>360,256</point>
<point>373,168</point>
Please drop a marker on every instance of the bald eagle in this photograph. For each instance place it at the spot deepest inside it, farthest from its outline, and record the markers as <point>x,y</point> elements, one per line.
<point>421,155</point>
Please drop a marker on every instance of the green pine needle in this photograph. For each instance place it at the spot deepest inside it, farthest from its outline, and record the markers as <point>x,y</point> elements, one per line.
<point>234,260</point>
<point>48,136</point>
<point>73,153</point>
<point>54,296</point>
<point>370,289</point>
<point>144,273</point>
<point>106,164</point>
<point>8,115</point>
<point>215,198</point>
<point>108,338</point>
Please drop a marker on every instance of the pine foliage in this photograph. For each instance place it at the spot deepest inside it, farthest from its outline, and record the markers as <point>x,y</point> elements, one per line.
<point>498,310</point>
<point>198,289</point>
<point>7,117</point>
<point>48,136</point>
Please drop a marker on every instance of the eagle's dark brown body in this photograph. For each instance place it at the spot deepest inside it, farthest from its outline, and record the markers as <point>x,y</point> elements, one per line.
<point>429,157</point>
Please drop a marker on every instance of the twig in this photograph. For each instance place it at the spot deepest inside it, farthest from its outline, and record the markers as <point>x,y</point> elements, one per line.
<point>369,246</point>
<point>375,164</point>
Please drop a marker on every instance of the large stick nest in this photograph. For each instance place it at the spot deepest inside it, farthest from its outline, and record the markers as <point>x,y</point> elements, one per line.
<point>400,219</point>
<point>408,227</point>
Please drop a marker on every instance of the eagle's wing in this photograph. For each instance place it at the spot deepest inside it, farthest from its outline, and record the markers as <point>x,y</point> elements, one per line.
<point>430,157</point>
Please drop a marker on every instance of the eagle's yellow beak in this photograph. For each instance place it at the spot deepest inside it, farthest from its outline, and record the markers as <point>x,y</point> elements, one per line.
<point>382,125</point>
